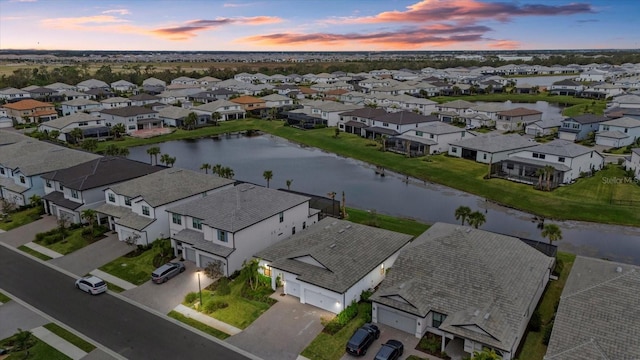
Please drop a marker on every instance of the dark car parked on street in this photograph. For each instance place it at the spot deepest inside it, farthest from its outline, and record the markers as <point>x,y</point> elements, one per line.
<point>391,350</point>
<point>166,272</point>
<point>362,339</point>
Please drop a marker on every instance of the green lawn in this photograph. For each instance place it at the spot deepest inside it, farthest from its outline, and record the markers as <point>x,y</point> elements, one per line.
<point>20,218</point>
<point>240,312</point>
<point>405,226</point>
<point>38,351</point>
<point>331,347</point>
<point>70,337</point>
<point>198,325</point>
<point>73,241</point>
<point>32,252</point>
<point>134,269</point>
<point>533,348</point>
<point>4,298</point>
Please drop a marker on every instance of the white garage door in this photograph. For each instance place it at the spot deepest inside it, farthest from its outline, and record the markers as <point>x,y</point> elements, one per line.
<point>320,300</point>
<point>205,260</point>
<point>190,254</point>
<point>397,319</point>
<point>532,131</point>
<point>292,288</point>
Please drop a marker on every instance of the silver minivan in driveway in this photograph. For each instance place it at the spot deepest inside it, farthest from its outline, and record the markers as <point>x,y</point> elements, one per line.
<point>166,272</point>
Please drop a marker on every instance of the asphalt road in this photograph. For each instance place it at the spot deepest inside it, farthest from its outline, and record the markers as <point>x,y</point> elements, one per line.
<point>122,327</point>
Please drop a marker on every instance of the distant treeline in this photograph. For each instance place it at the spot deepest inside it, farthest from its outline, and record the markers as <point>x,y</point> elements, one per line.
<point>137,72</point>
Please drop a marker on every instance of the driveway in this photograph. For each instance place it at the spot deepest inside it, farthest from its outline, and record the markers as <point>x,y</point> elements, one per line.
<point>165,297</point>
<point>82,261</point>
<point>387,332</point>
<point>15,316</point>
<point>283,331</point>
<point>27,233</point>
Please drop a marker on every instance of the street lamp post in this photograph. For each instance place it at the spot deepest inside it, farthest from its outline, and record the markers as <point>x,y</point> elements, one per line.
<point>199,287</point>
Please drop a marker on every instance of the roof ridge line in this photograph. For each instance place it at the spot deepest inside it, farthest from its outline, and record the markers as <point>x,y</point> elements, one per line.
<point>602,283</point>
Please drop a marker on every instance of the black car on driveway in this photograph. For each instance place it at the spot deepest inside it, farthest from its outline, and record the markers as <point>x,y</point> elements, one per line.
<point>391,350</point>
<point>362,339</point>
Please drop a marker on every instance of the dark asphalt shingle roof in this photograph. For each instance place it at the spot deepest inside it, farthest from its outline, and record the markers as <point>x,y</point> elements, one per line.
<point>494,142</point>
<point>405,117</point>
<point>346,251</point>
<point>128,111</point>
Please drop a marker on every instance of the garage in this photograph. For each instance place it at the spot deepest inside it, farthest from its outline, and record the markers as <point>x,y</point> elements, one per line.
<point>292,288</point>
<point>396,319</point>
<point>190,254</point>
<point>205,260</point>
<point>320,300</point>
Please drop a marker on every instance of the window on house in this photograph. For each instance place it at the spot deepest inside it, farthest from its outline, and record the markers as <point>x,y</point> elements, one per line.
<point>385,124</point>
<point>510,166</point>
<point>112,198</point>
<point>538,156</point>
<point>267,270</point>
<point>561,159</point>
<point>222,235</point>
<point>176,219</point>
<point>304,225</point>
<point>418,133</point>
<point>484,156</point>
<point>197,224</point>
<point>145,210</point>
<point>2,171</point>
<point>48,183</point>
<point>431,136</point>
<point>281,215</point>
<point>23,180</point>
<point>127,201</point>
<point>74,194</point>
<point>293,230</point>
<point>438,319</point>
<point>605,127</point>
<point>454,150</point>
<point>626,131</point>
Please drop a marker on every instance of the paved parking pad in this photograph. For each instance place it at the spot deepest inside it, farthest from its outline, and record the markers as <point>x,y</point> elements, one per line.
<point>82,261</point>
<point>283,331</point>
<point>14,316</point>
<point>387,332</point>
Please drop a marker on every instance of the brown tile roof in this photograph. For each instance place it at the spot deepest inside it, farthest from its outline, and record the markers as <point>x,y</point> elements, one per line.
<point>247,100</point>
<point>27,104</point>
<point>307,91</point>
<point>519,112</point>
<point>336,92</point>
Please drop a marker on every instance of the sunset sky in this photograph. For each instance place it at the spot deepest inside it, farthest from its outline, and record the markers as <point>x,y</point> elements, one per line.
<point>311,25</point>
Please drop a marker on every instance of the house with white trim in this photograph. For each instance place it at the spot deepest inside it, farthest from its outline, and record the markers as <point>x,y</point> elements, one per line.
<point>517,119</point>
<point>633,162</point>
<point>473,288</point>
<point>489,148</point>
<point>115,102</point>
<point>136,209</point>
<point>228,110</point>
<point>132,117</point>
<point>91,126</point>
<point>79,105</point>
<point>618,132</point>
<point>123,86</point>
<point>431,138</point>
<point>233,224</point>
<point>579,127</point>
<point>331,263</point>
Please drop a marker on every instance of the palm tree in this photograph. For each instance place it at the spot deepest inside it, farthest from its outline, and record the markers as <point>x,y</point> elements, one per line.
<point>89,145</point>
<point>35,200</point>
<point>76,134</point>
<point>205,167</point>
<point>112,150</point>
<point>548,172</point>
<point>540,174</point>
<point>190,121</point>
<point>123,151</point>
<point>153,153</point>
<point>170,161</point>
<point>89,215</point>
<point>227,172</point>
<point>267,175</point>
<point>165,159</point>
<point>485,354</point>
<point>118,130</point>
<point>288,182</point>
<point>463,212</point>
<point>552,232</point>
<point>476,219</point>
<point>217,169</point>
<point>216,117</point>
<point>53,135</point>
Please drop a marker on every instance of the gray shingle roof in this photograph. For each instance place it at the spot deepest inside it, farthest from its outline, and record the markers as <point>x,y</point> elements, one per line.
<point>561,147</point>
<point>457,104</point>
<point>626,121</point>
<point>62,122</point>
<point>348,252</point>
<point>465,274</point>
<point>438,127</point>
<point>174,112</point>
<point>10,137</point>
<point>125,217</point>
<point>239,207</point>
<point>588,118</point>
<point>405,117</point>
<point>612,134</point>
<point>196,239</point>
<point>169,185</point>
<point>33,157</point>
<point>128,111</point>
<point>494,142</point>
<point>598,316</point>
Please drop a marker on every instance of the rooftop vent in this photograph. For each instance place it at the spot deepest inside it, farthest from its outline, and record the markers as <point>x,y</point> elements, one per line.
<point>348,226</point>
<point>468,230</point>
<point>332,246</point>
<point>476,313</point>
<point>401,286</point>
<point>340,231</point>
<point>486,316</point>
<point>619,269</point>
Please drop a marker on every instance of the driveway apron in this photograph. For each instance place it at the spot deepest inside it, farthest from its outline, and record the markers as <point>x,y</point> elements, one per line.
<point>27,233</point>
<point>283,331</point>
<point>82,261</point>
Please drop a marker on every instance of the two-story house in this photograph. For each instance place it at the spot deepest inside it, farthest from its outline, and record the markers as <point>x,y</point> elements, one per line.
<point>115,102</point>
<point>143,99</point>
<point>225,110</point>
<point>396,123</point>
<point>79,105</point>
<point>123,86</point>
<point>250,103</point>
<point>132,117</point>
<point>618,132</point>
<point>71,190</point>
<point>231,225</point>
<point>30,111</point>
<point>566,87</point>
<point>92,84</point>
<point>517,119</point>
<point>91,126</point>
<point>568,159</point>
<point>579,127</point>
<point>13,94</point>
<point>23,163</point>
<point>431,138</point>
<point>277,101</point>
<point>489,148</point>
<point>355,121</point>
<point>136,209</point>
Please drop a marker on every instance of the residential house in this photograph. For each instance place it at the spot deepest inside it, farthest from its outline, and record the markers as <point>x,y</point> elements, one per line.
<point>250,103</point>
<point>566,87</point>
<point>13,94</point>
<point>136,209</point>
<point>123,86</point>
<point>633,162</point>
<point>45,94</point>
<point>207,81</point>
<point>233,224</point>
<point>355,121</point>
<point>489,148</point>
<point>91,126</point>
<point>132,117</point>
<point>618,132</point>
<point>629,101</point>
<point>143,99</point>
<point>593,75</point>
<point>184,80</point>
<point>23,163</point>
<point>277,101</point>
<point>100,93</point>
<point>30,111</point>
<point>474,288</point>
<point>175,116</point>
<point>597,318</point>
<point>225,110</point>
<point>517,119</point>
<point>69,95</point>
<point>431,138</point>
<point>115,102</point>
<point>392,124</point>
<point>568,159</point>
<point>178,95</point>
<point>79,106</point>
<point>61,87</point>
<point>70,191</point>
<point>5,120</point>
<point>579,127</point>
<point>90,84</point>
<point>153,86</point>
<point>331,263</point>
<point>457,106</point>
<point>544,127</point>
<point>213,95</point>
<point>406,102</point>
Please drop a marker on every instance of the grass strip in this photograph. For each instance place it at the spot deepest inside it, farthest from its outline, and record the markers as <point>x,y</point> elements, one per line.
<point>70,337</point>
<point>198,325</point>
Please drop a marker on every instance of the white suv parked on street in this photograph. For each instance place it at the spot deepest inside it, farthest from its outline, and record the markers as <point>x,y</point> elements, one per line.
<point>91,284</point>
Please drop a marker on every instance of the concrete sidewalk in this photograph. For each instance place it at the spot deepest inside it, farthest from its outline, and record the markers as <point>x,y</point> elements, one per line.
<point>208,320</point>
<point>27,233</point>
<point>112,279</point>
<point>58,343</point>
<point>43,250</point>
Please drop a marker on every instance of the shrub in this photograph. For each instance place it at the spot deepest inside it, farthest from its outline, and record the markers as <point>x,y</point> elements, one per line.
<point>223,287</point>
<point>191,297</point>
<point>213,305</point>
<point>547,333</point>
<point>536,322</point>
<point>87,232</point>
<point>341,319</point>
<point>365,295</point>
<point>557,270</point>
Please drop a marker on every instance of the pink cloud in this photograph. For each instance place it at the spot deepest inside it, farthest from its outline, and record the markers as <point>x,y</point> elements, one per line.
<point>191,28</point>
<point>504,44</point>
